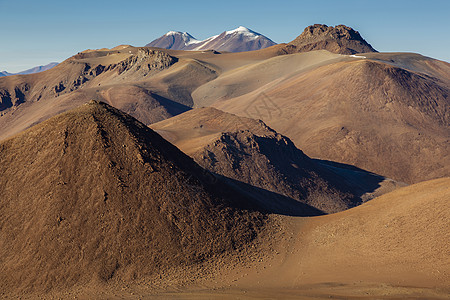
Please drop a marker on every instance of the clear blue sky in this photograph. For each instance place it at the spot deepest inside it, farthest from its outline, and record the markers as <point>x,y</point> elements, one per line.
<point>38,32</point>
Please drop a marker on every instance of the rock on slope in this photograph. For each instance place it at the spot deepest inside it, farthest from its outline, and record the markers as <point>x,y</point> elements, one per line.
<point>94,196</point>
<point>247,150</point>
<point>238,40</point>
<point>340,39</point>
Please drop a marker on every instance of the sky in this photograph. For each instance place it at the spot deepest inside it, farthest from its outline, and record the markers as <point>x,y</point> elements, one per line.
<point>34,33</point>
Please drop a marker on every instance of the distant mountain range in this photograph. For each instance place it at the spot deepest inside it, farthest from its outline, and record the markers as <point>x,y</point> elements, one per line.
<point>238,40</point>
<point>31,71</point>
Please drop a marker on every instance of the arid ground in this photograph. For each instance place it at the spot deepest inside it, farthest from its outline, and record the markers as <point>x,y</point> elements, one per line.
<point>313,169</point>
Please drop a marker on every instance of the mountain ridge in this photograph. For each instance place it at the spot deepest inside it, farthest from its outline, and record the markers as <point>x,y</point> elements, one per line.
<point>238,40</point>
<point>31,70</point>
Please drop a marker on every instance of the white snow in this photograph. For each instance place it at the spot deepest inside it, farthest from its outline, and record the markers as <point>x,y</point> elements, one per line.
<point>240,29</point>
<point>357,56</point>
<point>244,31</point>
<point>205,42</point>
<point>187,38</point>
<point>193,41</point>
<point>173,33</point>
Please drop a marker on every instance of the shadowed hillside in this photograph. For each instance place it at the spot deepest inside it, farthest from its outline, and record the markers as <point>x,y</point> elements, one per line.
<point>247,150</point>
<point>93,196</point>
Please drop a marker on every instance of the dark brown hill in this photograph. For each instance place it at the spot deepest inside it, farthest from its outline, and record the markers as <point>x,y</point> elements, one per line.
<point>249,151</point>
<point>340,39</point>
<point>94,196</point>
<point>272,162</point>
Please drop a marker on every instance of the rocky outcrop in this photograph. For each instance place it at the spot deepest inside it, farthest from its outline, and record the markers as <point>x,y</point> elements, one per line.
<point>340,39</point>
<point>14,97</point>
<point>146,61</point>
<point>5,99</point>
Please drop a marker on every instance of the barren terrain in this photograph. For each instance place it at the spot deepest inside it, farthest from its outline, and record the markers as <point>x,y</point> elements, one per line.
<point>314,169</point>
<point>385,113</point>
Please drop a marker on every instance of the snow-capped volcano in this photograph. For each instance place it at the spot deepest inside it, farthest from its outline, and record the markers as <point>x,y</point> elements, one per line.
<point>244,31</point>
<point>237,40</point>
<point>174,40</point>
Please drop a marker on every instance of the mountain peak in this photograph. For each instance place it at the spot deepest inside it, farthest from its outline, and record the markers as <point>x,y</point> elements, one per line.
<point>176,40</point>
<point>337,32</point>
<point>124,188</point>
<point>240,29</point>
<point>173,32</point>
<point>244,31</point>
<point>339,39</point>
<point>182,33</point>
<point>236,40</point>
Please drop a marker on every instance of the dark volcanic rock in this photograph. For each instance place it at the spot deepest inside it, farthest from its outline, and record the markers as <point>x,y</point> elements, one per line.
<point>339,39</point>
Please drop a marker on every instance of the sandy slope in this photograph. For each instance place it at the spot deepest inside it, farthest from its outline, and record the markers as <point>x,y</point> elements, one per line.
<point>266,73</point>
<point>121,213</point>
<point>399,238</point>
<point>394,247</point>
<point>368,113</point>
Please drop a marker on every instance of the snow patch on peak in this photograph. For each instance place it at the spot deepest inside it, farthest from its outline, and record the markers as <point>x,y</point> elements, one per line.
<point>245,32</point>
<point>236,40</point>
<point>187,38</point>
<point>205,43</point>
<point>192,41</point>
<point>239,29</point>
<point>174,33</point>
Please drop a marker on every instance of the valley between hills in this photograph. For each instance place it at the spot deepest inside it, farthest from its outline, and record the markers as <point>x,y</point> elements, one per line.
<point>311,169</point>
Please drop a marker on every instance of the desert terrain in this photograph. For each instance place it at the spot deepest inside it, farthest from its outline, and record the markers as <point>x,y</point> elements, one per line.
<point>313,169</point>
<point>385,113</point>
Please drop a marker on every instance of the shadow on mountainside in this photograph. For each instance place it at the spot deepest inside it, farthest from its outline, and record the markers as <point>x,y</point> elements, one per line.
<point>265,201</point>
<point>172,107</point>
<point>360,181</point>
